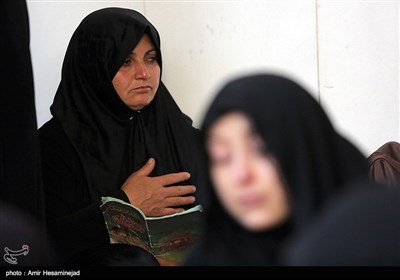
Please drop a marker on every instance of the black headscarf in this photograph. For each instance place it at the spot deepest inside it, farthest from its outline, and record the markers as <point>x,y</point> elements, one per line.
<point>315,160</point>
<point>111,140</point>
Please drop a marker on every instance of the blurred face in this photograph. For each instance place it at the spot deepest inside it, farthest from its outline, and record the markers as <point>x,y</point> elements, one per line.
<point>246,180</point>
<point>136,82</point>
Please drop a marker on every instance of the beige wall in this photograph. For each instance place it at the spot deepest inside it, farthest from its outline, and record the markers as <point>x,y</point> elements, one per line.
<point>345,52</point>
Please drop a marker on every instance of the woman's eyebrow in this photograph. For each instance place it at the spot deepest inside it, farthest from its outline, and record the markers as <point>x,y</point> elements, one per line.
<point>149,51</point>
<point>146,53</point>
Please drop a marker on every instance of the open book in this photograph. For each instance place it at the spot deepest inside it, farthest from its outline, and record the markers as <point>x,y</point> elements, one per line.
<point>168,238</point>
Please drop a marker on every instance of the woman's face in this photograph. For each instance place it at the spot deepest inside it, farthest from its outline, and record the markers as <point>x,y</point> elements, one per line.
<point>137,80</point>
<point>246,180</point>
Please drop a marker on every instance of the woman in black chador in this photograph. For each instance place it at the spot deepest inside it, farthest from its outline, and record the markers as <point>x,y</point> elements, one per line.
<point>273,160</point>
<point>116,131</point>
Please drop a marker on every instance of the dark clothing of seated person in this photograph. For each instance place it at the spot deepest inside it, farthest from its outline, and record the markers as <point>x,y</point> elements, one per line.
<point>23,240</point>
<point>359,228</point>
<point>20,173</point>
<point>115,131</point>
<point>273,160</point>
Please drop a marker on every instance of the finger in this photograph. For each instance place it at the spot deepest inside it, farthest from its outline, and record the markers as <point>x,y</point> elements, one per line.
<point>172,178</point>
<point>179,201</point>
<point>147,168</point>
<point>179,190</point>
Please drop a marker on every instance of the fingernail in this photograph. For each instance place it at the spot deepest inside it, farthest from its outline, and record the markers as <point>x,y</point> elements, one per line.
<point>151,160</point>
<point>188,175</point>
<point>194,189</point>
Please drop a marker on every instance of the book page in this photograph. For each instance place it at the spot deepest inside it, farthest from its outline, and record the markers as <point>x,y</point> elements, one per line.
<point>171,236</point>
<point>125,223</point>
<point>168,237</point>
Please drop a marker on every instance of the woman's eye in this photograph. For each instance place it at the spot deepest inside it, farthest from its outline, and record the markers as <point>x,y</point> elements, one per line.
<point>151,59</point>
<point>220,160</point>
<point>127,62</point>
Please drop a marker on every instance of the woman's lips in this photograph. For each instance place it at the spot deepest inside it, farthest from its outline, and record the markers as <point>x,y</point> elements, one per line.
<point>251,201</point>
<point>142,89</point>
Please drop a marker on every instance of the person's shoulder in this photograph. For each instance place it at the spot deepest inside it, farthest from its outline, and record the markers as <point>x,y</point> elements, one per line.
<point>52,136</point>
<point>51,128</point>
<point>189,121</point>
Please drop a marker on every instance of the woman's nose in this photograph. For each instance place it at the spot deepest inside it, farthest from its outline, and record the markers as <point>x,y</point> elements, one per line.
<point>141,71</point>
<point>241,170</point>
